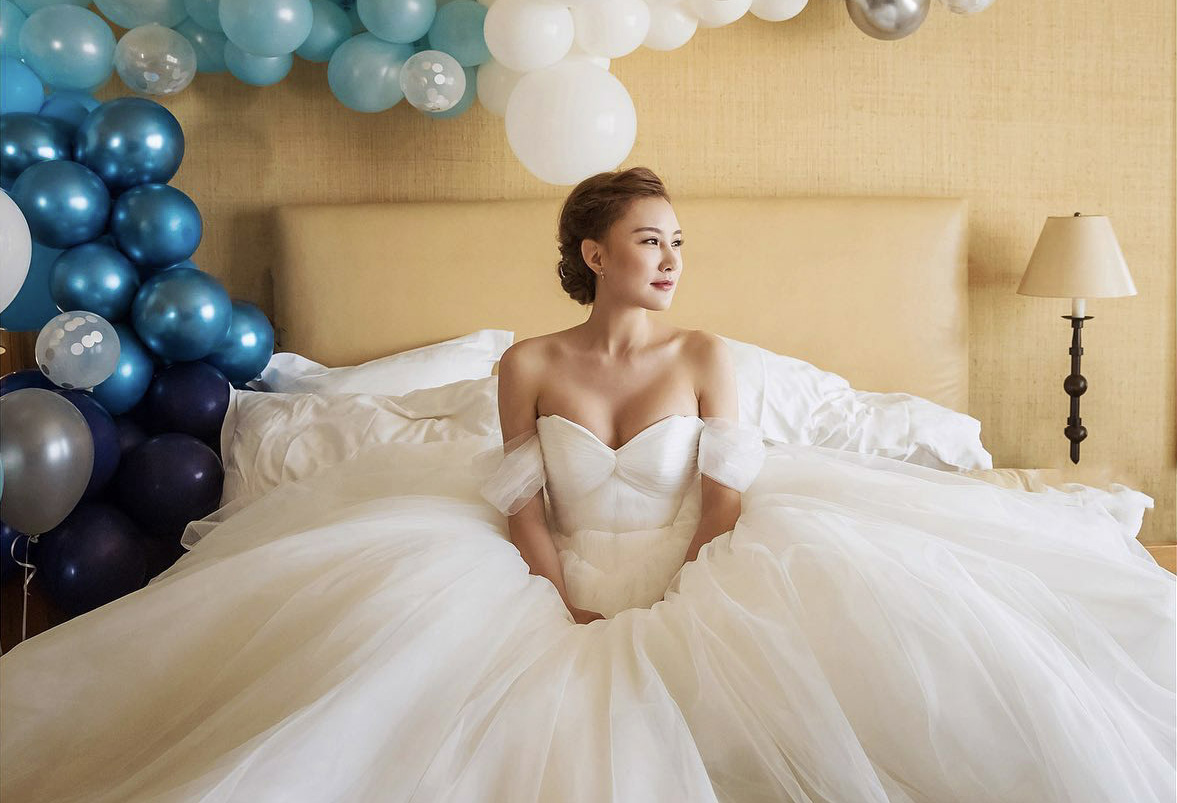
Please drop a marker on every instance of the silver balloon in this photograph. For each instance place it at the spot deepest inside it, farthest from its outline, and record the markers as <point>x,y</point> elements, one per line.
<point>432,81</point>
<point>47,453</point>
<point>888,19</point>
<point>155,60</point>
<point>77,350</point>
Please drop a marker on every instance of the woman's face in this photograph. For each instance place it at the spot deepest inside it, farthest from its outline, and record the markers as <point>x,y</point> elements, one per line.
<point>641,249</point>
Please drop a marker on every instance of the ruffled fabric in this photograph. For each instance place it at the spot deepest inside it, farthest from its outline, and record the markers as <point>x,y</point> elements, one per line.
<point>511,474</point>
<point>729,453</point>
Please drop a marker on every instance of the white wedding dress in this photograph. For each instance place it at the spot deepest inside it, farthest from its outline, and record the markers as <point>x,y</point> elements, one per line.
<point>869,631</point>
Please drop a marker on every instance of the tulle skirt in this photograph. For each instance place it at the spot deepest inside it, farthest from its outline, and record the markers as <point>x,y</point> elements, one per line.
<point>869,631</point>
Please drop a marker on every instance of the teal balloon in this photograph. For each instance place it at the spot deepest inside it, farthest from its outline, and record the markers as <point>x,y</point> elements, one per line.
<point>33,306</point>
<point>94,277</point>
<point>457,30</point>
<point>155,225</point>
<point>266,27</point>
<point>20,88</point>
<point>63,202</point>
<point>330,29</point>
<point>27,138</point>
<point>130,141</point>
<point>29,6</point>
<point>205,13</point>
<point>11,20</point>
<point>209,46</point>
<point>467,99</point>
<point>132,374</point>
<point>364,73</point>
<point>400,21</point>
<point>133,13</point>
<point>256,70</point>
<point>247,347</point>
<point>69,106</point>
<point>182,314</point>
<point>68,47</point>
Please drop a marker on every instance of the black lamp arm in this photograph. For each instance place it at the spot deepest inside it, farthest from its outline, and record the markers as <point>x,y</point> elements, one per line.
<point>1075,385</point>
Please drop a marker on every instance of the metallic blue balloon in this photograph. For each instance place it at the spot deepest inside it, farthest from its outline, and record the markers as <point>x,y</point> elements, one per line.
<point>68,47</point>
<point>70,106</point>
<point>64,202</point>
<point>132,375</point>
<point>105,435</point>
<point>33,306</point>
<point>20,88</point>
<point>94,277</point>
<point>182,314</point>
<point>156,225</point>
<point>248,346</point>
<point>130,141</point>
<point>27,138</point>
<point>209,46</point>
<point>93,557</point>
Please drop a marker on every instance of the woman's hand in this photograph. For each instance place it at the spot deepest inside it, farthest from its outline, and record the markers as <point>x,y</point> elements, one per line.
<point>583,617</point>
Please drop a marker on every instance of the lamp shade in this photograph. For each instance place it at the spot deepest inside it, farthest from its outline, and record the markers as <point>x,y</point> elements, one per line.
<point>1077,257</point>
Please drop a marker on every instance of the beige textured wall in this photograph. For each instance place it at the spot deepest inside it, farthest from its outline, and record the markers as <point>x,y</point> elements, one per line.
<point>1028,109</point>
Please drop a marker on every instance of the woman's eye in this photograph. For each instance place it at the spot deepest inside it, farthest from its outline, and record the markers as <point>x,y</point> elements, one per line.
<point>678,243</point>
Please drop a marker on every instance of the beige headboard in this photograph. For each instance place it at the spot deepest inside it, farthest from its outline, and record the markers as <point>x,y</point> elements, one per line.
<point>874,289</point>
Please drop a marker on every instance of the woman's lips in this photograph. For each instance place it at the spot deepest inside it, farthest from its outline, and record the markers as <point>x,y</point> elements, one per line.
<point>662,285</point>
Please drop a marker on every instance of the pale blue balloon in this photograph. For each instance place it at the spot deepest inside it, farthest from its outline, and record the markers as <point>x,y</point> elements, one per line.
<point>256,70</point>
<point>20,88</point>
<point>467,97</point>
<point>133,13</point>
<point>266,27</point>
<point>457,30</point>
<point>364,72</point>
<point>95,277</point>
<point>209,46</point>
<point>68,47</point>
<point>11,20</point>
<point>331,28</point>
<point>29,6</point>
<point>205,13</point>
<point>182,314</point>
<point>400,21</point>
<point>247,347</point>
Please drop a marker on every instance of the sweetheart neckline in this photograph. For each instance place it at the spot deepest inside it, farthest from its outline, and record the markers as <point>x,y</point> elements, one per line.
<point>620,448</point>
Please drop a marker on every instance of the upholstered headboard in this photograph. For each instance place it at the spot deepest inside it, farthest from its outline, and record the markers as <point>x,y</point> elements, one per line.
<point>874,289</point>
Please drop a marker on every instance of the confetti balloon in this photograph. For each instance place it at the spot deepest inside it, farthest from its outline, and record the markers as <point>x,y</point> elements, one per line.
<point>433,81</point>
<point>155,60</point>
<point>77,349</point>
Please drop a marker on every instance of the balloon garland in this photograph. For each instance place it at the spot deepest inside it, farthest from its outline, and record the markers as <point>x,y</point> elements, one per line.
<point>438,55</point>
<point>110,447</point>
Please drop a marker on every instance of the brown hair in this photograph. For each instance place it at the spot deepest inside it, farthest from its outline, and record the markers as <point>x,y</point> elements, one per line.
<point>590,209</point>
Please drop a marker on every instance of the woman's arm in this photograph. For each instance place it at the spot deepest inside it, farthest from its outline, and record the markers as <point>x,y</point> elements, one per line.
<point>716,390</point>
<point>520,369</point>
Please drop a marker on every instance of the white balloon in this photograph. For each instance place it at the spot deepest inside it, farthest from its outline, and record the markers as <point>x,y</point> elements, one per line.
<point>495,83</point>
<point>611,28</point>
<point>569,121</point>
<point>16,249</point>
<point>527,35</point>
<point>715,13</point>
<point>577,54</point>
<point>966,6</point>
<point>77,349</point>
<point>155,60</point>
<point>778,10</point>
<point>671,25</point>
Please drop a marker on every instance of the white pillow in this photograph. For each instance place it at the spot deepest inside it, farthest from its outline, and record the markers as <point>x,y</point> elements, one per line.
<point>796,402</point>
<point>269,438</point>
<point>471,356</point>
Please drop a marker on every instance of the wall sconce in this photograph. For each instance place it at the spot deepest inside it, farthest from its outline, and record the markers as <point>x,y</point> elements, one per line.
<point>1077,258</point>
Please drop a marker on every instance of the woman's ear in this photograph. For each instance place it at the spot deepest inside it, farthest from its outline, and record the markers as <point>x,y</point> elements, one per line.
<point>590,251</point>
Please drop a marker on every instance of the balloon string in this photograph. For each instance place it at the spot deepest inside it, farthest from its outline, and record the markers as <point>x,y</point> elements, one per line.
<point>30,570</point>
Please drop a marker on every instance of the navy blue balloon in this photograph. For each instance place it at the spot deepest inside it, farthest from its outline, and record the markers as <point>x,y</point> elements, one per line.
<point>33,306</point>
<point>27,138</point>
<point>130,433</point>
<point>106,440</point>
<point>248,346</point>
<point>69,106</point>
<point>26,378</point>
<point>93,557</point>
<point>8,538</point>
<point>182,314</point>
<point>188,397</point>
<point>161,554</point>
<point>156,225</point>
<point>123,389</point>
<point>64,203</point>
<point>94,277</point>
<point>168,481</point>
<point>130,141</point>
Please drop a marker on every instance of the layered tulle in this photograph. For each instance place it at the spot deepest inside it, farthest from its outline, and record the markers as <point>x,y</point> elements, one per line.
<point>869,631</point>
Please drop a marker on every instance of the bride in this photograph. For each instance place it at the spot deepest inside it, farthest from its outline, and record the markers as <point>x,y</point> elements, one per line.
<point>780,623</point>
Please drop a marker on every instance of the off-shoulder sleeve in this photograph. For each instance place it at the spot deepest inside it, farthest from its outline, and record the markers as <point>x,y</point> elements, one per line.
<point>511,474</point>
<point>729,453</point>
